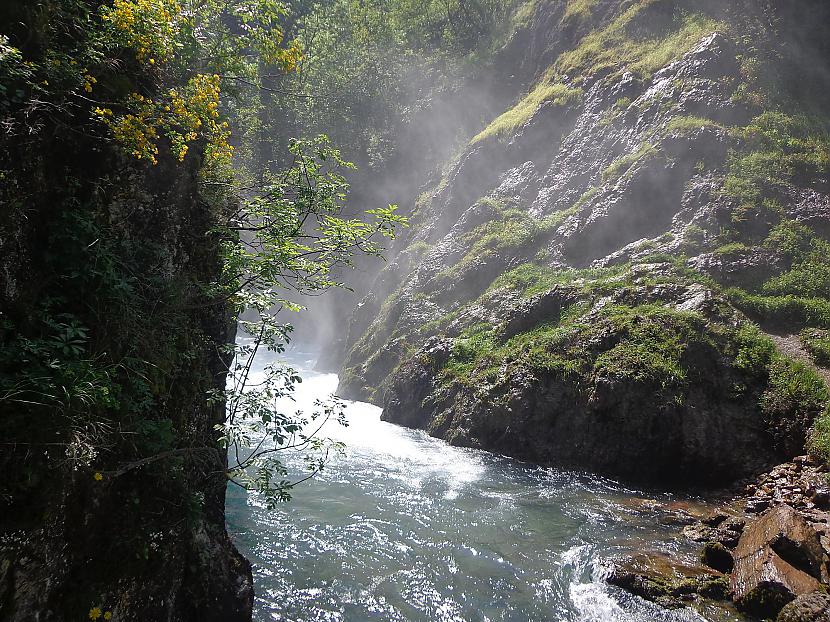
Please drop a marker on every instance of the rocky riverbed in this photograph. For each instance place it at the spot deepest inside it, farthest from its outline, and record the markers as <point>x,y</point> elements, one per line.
<point>766,549</point>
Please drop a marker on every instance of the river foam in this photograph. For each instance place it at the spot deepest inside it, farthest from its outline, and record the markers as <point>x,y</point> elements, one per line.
<point>407,528</point>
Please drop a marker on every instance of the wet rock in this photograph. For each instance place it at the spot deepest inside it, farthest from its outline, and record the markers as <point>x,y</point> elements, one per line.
<point>665,581</point>
<point>813,607</point>
<point>726,533</point>
<point>757,505</point>
<point>821,498</point>
<point>717,556</point>
<point>714,520</point>
<point>777,559</point>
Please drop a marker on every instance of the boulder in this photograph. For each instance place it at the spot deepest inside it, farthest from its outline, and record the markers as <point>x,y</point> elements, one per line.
<point>717,556</point>
<point>666,581</point>
<point>813,607</point>
<point>778,558</point>
<point>727,532</point>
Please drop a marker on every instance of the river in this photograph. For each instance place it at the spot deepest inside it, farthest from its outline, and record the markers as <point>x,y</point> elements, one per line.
<point>407,528</point>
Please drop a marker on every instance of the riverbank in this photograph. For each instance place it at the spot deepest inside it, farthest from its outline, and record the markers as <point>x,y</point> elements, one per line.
<point>767,549</point>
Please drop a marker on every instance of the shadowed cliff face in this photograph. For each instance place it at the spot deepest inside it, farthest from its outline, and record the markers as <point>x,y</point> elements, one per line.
<point>113,489</point>
<point>576,290</point>
<point>117,541</point>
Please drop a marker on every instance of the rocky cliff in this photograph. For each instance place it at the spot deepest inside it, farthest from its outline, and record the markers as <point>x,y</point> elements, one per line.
<point>602,276</point>
<point>113,488</point>
<point>135,526</point>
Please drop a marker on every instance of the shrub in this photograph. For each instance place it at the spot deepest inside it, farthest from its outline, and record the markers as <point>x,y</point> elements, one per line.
<point>817,343</point>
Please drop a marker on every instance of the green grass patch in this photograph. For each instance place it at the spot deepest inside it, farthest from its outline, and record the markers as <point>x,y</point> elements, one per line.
<point>586,196</point>
<point>544,91</point>
<point>790,311</point>
<point>579,9</point>
<point>644,344</point>
<point>793,388</point>
<point>653,339</point>
<point>819,443</point>
<point>513,229</point>
<point>810,279</point>
<point>469,348</point>
<point>622,165</point>
<point>777,148</point>
<point>817,343</point>
<point>686,125</point>
<point>628,42</point>
<point>732,249</point>
<point>791,239</point>
<point>529,279</point>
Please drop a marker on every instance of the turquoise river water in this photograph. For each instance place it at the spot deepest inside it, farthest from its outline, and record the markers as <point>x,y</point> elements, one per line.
<point>407,528</point>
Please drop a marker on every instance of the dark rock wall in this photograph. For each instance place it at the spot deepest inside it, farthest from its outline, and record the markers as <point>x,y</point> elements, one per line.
<point>124,249</point>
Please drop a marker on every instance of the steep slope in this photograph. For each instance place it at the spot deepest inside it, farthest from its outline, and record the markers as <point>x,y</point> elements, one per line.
<point>578,289</point>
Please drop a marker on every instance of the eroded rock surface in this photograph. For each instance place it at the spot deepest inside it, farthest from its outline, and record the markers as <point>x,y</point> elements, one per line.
<point>576,289</point>
<point>778,558</point>
<point>813,607</point>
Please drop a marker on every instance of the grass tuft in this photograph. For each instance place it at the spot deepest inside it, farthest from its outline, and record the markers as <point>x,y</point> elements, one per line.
<point>510,121</point>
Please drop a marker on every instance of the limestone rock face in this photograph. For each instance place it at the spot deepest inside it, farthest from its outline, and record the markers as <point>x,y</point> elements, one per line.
<point>778,558</point>
<point>612,197</point>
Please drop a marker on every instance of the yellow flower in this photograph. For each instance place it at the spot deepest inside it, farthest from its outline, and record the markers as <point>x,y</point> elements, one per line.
<point>95,613</point>
<point>108,615</point>
<point>152,61</point>
<point>97,477</point>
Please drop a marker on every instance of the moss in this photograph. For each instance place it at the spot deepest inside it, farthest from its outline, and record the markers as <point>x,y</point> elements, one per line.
<point>628,42</point>
<point>623,164</point>
<point>545,91</point>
